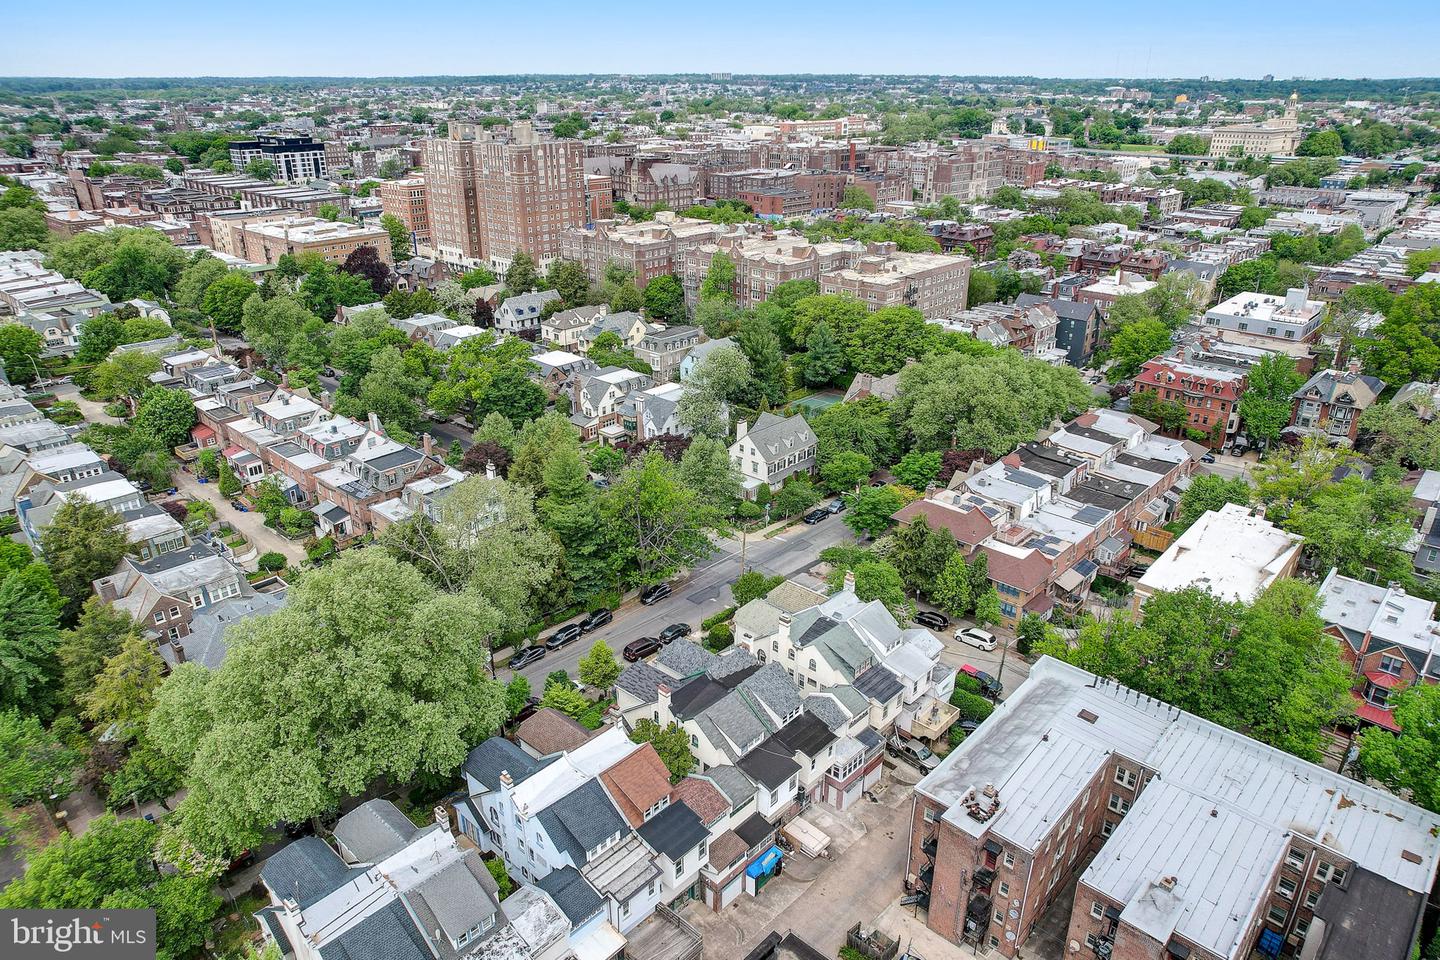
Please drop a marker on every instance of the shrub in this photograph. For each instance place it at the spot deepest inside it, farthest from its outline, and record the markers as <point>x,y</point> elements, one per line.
<point>971,707</point>
<point>605,600</point>
<point>957,736</point>
<point>720,617</point>
<point>320,550</point>
<point>272,561</point>
<point>719,637</point>
<point>967,683</point>
<point>496,866</point>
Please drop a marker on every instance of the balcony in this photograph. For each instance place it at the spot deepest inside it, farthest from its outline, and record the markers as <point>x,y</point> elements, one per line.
<point>933,718</point>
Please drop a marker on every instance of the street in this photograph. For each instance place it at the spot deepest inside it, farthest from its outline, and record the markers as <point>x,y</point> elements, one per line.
<point>704,594</point>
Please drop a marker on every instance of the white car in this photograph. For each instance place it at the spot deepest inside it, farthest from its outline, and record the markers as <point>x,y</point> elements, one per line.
<point>976,637</point>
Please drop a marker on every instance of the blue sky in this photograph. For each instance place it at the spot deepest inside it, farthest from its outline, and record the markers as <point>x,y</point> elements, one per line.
<point>1218,38</point>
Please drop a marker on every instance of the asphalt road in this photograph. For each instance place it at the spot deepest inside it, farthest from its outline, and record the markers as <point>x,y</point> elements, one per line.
<point>704,594</point>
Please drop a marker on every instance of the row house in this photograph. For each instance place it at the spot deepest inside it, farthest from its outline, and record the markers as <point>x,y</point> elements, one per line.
<point>163,593</point>
<point>1330,403</point>
<point>1389,638</point>
<point>1210,394</point>
<point>598,399</point>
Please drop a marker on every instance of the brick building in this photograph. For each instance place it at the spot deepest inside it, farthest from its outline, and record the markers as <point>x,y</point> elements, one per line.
<point>933,283</point>
<point>647,250</point>
<point>1210,395</point>
<point>407,201</point>
<point>1179,838</point>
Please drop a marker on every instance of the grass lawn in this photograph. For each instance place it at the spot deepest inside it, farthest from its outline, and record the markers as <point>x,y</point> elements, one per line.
<point>1139,148</point>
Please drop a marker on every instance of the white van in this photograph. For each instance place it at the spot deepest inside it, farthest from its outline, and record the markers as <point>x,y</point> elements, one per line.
<point>976,637</point>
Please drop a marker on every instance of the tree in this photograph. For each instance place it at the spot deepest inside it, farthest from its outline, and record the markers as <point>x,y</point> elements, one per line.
<point>202,271</point>
<point>846,471</point>
<point>522,277</point>
<point>23,229</point>
<point>875,579</point>
<point>662,525</point>
<point>327,211</point>
<point>951,592</point>
<point>112,865</point>
<point>122,264</point>
<point>987,607</point>
<point>627,297</point>
<point>366,672</point>
<point>565,698</point>
<point>536,444</point>
<point>855,198</point>
<point>706,468</point>
<point>598,668</point>
<point>918,470</point>
<point>85,648</point>
<point>224,300</point>
<point>671,742</point>
<point>271,325</point>
<point>261,168</point>
<point>712,383</point>
<point>365,262</point>
<point>797,496</point>
<point>568,278</point>
<point>1209,491</point>
<point>921,554</point>
<point>769,377</point>
<point>871,513</point>
<point>751,585</point>
<point>517,696</point>
<point>1408,761</point>
<point>1030,634</point>
<point>166,415</point>
<point>83,543</point>
<point>719,282</point>
<point>20,349</point>
<point>1321,143</point>
<point>125,689</point>
<point>34,762</point>
<point>1134,344</point>
<point>824,360</point>
<point>665,299</point>
<point>1266,404</point>
<point>401,245</point>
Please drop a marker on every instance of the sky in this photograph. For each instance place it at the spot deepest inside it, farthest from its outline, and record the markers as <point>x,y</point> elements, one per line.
<point>1122,38</point>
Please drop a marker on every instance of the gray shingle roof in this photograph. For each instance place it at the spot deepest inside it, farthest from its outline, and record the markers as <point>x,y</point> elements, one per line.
<point>581,820</point>
<point>305,871</point>
<point>572,893</point>
<point>641,679</point>
<point>387,934</point>
<point>684,658</point>
<point>374,830</point>
<point>674,831</point>
<point>496,755</point>
<point>455,896</point>
<point>731,662</point>
<point>732,781</point>
<point>879,684</point>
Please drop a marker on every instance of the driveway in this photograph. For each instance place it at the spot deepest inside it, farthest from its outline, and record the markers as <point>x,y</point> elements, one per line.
<point>251,524</point>
<point>93,411</point>
<point>819,900</point>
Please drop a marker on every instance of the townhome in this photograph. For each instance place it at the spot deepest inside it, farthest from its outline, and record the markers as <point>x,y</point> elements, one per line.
<point>597,403</point>
<point>163,593</point>
<point>37,505</point>
<point>285,413</point>
<point>557,369</point>
<point>628,325</point>
<point>562,329</point>
<point>521,314</point>
<point>771,450</point>
<point>1330,403</point>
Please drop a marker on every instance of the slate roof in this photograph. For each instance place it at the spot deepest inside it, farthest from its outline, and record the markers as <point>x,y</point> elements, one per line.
<point>731,662</point>
<point>487,761</point>
<point>374,830</point>
<point>386,934</point>
<point>827,710</point>
<point>732,781</point>
<point>305,870</point>
<point>641,679</point>
<point>550,731</point>
<point>778,437</point>
<point>455,896</point>
<point>581,820</point>
<point>572,893</point>
<point>770,764</point>
<point>674,831</point>
<point>878,684</point>
<point>684,658</point>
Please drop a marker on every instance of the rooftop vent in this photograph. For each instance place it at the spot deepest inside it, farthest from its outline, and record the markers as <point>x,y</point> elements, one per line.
<point>1088,716</point>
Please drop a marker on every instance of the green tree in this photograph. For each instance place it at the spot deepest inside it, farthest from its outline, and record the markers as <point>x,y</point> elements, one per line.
<point>366,672</point>
<point>1030,634</point>
<point>568,278</point>
<point>126,263</point>
<point>536,444</point>
<point>662,525</point>
<point>855,198</point>
<point>85,647</point>
<point>671,742</point>
<point>918,470</point>
<point>706,468</point>
<point>565,698</point>
<point>713,382</point>
<point>34,762</point>
<point>952,588</point>
<point>271,325</point>
<point>522,277</point>
<point>225,300</point>
<point>1321,143</point>
<point>517,696</point>
<point>23,229</point>
<point>871,513</point>
<point>1266,404</point>
<point>846,471</point>
<point>1408,761</point>
<point>876,579</point>
<point>125,689</point>
<point>752,584</point>
<point>665,299</point>
<point>83,543</point>
<point>769,376</point>
<point>598,668</point>
<point>261,168</point>
<point>202,271</point>
<point>1134,344</point>
<point>719,282</point>
<point>863,426</point>
<point>987,607</point>
<point>112,865</point>
<point>166,415</point>
<point>20,349</point>
<point>1209,491</point>
<point>920,554</point>
<point>824,359</point>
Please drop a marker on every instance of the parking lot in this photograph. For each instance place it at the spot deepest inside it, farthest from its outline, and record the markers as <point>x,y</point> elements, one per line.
<point>820,899</point>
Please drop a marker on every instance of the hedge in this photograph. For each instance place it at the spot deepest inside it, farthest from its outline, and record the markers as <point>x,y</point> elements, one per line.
<point>967,683</point>
<point>720,617</point>
<point>719,637</point>
<point>971,707</point>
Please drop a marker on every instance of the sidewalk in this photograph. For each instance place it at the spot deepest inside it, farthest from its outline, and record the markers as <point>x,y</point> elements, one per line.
<point>251,524</point>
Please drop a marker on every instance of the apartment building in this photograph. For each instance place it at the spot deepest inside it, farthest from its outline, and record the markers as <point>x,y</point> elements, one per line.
<point>334,240</point>
<point>1232,552</point>
<point>407,200</point>
<point>764,261</point>
<point>1292,317</point>
<point>1210,394</point>
<point>294,157</point>
<point>646,250</point>
<point>969,173</point>
<point>648,180</point>
<point>492,197</point>
<point>933,283</point>
<point>1179,838</point>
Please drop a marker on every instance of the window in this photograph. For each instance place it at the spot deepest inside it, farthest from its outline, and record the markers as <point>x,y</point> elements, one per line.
<point>159,616</point>
<point>1390,665</point>
<point>1125,777</point>
<point>679,867</point>
<point>1000,916</point>
<point>1004,889</point>
<point>1312,898</point>
<point>174,611</point>
<point>1009,859</point>
<point>930,816</point>
<point>1277,916</point>
<point>1119,804</point>
<point>1302,927</point>
<point>1091,941</point>
<point>1097,910</point>
<point>1295,859</point>
<point>694,740</point>
<point>1286,888</point>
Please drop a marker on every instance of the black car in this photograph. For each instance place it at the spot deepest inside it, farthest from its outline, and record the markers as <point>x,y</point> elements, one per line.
<point>931,619</point>
<point>654,593</point>
<point>566,634</point>
<point>596,620</point>
<point>674,632</point>
<point>1207,458</point>
<point>836,506</point>
<point>968,726</point>
<point>526,712</point>
<point>815,516</point>
<point>638,649</point>
<point>526,657</point>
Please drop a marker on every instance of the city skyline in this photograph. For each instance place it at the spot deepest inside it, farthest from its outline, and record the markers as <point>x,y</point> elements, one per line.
<point>1049,41</point>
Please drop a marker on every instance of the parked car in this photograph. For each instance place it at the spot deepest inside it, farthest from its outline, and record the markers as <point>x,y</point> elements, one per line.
<point>989,686</point>
<point>836,506</point>
<point>674,632</point>
<point>639,649</point>
<point>815,516</point>
<point>968,727</point>
<point>981,639</point>
<point>526,712</point>
<point>654,593</point>
<point>913,752</point>
<point>932,619</point>
<point>566,634</point>
<point>526,657</point>
<point>1207,458</point>
<point>596,620</point>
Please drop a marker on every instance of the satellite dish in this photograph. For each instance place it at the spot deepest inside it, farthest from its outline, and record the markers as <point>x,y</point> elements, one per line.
<point>1009,936</point>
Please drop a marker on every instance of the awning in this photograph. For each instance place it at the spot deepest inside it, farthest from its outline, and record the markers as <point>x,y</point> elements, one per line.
<point>1383,680</point>
<point>1070,581</point>
<point>1381,717</point>
<point>766,863</point>
<point>992,847</point>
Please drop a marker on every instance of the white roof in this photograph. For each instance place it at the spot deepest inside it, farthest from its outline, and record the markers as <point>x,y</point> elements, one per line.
<point>556,358</point>
<point>1387,613</point>
<point>105,491</point>
<point>149,527</point>
<point>63,458</point>
<point>1231,552</point>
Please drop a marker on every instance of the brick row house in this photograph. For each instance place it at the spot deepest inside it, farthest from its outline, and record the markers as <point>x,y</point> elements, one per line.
<point>1209,394</point>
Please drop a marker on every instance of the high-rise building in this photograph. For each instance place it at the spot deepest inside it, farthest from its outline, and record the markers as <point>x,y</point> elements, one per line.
<point>494,195</point>
<point>407,201</point>
<point>294,156</point>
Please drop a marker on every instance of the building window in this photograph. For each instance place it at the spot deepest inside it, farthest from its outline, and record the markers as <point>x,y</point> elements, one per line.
<point>1107,828</point>
<point>1295,859</point>
<point>1004,889</point>
<point>1125,777</point>
<point>1119,804</point>
<point>1286,888</point>
<point>1312,898</point>
<point>1390,665</point>
<point>1009,860</point>
<point>1097,910</point>
<point>1277,916</point>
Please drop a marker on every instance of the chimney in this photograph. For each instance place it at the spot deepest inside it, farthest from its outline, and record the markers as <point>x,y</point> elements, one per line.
<point>178,649</point>
<point>740,429</point>
<point>375,423</point>
<point>1353,367</point>
<point>426,444</point>
<point>285,382</point>
<point>850,581</point>
<point>505,779</point>
<point>489,469</point>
